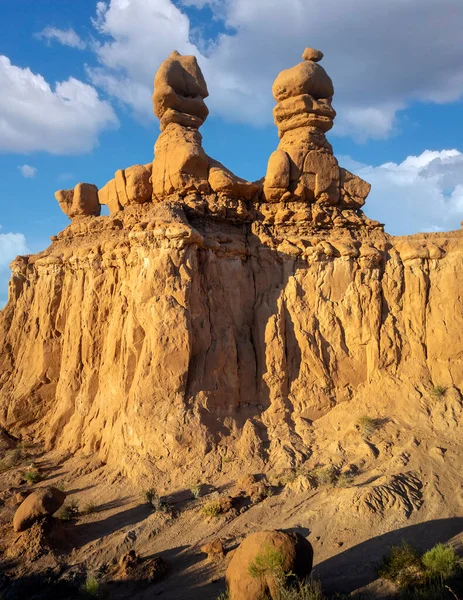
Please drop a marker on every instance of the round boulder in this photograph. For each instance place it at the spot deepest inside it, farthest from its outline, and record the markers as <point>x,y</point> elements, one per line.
<point>263,559</point>
<point>307,77</point>
<point>38,505</point>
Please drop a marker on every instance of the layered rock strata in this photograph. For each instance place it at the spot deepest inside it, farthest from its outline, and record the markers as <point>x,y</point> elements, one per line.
<point>194,327</point>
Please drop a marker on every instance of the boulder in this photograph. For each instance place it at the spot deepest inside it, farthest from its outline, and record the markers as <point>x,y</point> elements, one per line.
<point>138,184</point>
<point>214,549</point>
<point>38,505</point>
<point>135,568</point>
<point>82,201</point>
<point>179,92</point>
<point>260,562</point>
<point>312,54</point>
<point>305,78</point>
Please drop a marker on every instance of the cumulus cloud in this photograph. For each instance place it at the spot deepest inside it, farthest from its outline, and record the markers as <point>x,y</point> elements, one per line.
<point>422,193</point>
<point>382,55</point>
<point>27,171</point>
<point>66,119</point>
<point>66,37</point>
<point>11,245</point>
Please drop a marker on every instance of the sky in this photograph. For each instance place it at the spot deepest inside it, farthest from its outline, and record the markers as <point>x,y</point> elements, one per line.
<point>76,81</point>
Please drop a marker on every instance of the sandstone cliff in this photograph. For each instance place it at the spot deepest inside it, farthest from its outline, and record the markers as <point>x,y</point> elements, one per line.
<point>210,319</point>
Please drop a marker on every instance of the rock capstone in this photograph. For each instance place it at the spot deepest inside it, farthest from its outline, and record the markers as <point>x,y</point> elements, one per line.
<point>82,201</point>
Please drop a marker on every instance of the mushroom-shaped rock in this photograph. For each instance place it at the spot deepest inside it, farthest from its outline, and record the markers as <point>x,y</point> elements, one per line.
<point>82,201</point>
<point>38,505</point>
<point>181,165</point>
<point>303,167</point>
<point>179,92</point>
<point>257,565</point>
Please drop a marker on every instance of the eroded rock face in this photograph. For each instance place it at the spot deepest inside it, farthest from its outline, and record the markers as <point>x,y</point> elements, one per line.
<point>210,320</point>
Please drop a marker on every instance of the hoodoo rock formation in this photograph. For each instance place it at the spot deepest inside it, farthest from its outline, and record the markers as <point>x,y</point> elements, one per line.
<point>211,320</point>
<point>303,168</point>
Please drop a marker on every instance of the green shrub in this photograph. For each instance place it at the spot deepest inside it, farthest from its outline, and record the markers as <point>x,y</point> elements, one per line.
<point>344,480</point>
<point>429,592</point>
<point>89,508</point>
<point>438,391</point>
<point>402,566</point>
<point>60,486</point>
<point>155,501</point>
<point>68,511</point>
<point>92,587</point>
<point>149,495</point>
<point>305,590</point>
<point>213,508</point>
<point>267,562</point>
<point>196,490</point>
<point>441,562</point>
<point>324,475</point>
<point>33,477</point>
<point>268,492</point>
<point>405,567</point>
<point>10,460</point>
<point>367,426</point>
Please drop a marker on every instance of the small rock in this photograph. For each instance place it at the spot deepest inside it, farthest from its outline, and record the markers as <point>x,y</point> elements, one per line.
<point>214,549</point>
<point>312,54</point>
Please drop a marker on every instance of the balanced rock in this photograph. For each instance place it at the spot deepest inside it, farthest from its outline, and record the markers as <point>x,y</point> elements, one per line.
<point>129,186</point>
<point>82,201</point>
<point>38,505</point>
<point>181,165</point>
<point>312,54</point>
<point>303,167</point>
<point>258,563</point>
<point>179,92</point>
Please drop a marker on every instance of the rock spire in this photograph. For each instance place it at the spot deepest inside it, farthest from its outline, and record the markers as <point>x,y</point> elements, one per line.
<point>303,167</point>
<point>304,184</point>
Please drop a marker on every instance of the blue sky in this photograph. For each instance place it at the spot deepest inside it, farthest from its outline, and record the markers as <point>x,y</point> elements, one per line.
<point>76,81</point>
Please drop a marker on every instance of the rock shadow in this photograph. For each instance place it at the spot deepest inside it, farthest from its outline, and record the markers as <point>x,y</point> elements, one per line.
<point>84,533</point>
<point>355,567</point>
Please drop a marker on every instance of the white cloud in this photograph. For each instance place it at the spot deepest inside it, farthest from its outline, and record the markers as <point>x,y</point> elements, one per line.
<point>141,35</point>
<point>65,120</point>
<point>422,193</point>
<point>382,55</point>
<point>11,245</point>
<point>66,37</point>
<point>27,171</point>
